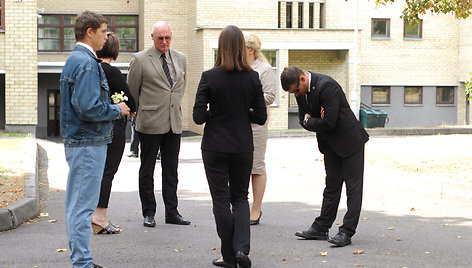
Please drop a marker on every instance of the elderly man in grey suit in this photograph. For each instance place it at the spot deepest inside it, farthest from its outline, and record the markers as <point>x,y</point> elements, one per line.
<point>156,80</point>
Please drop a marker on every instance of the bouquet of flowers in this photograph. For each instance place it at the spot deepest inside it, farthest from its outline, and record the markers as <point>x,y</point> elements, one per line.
<point>119,97</point>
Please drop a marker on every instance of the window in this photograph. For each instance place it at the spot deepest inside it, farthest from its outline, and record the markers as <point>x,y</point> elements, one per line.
<point>380,95</point>
<point>271,56</point>
<point>126,28</point>
<point>2,14</point>
<point>322,16</point>
<point>414,31</point>
<point>300,15</point>
<point>288,15</point>
<point>56,32</point>
<point>311,10</point>
<point>278,21</point>
<point>444,95</point>
<point>413,95</point>
<point>381,28</point>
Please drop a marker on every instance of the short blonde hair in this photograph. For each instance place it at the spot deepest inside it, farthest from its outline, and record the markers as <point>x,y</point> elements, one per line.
<point>253,41</point>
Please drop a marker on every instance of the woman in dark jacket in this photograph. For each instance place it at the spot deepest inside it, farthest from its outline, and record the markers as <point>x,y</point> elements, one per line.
<point>117,84</point>
<point>228,99</point>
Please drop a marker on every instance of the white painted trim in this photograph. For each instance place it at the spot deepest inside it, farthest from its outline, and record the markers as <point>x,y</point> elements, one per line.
<point>299,45</point>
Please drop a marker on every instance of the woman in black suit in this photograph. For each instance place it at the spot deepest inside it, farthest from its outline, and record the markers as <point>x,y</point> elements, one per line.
<point>117,84</point>
<point>234,95</point>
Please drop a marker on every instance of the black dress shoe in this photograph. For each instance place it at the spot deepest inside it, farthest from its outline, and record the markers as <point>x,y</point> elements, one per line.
<point>135,155</point>
<point>312,234</point>
<point>340,239</point>
<point>149,221</point>
<point>222,263</point>
<point>96,266</point>
<point>243,260</point>
<point>256,222</point>
<point>177,220</point>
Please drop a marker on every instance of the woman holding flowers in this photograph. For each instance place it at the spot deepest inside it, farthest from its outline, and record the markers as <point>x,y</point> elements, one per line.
<point>119,92</point>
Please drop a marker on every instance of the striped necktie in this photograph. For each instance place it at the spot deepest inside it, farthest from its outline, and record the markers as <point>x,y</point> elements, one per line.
<point>166,69</point>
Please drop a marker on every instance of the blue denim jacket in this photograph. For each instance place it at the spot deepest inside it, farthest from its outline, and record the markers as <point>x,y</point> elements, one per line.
<point>86,110</point>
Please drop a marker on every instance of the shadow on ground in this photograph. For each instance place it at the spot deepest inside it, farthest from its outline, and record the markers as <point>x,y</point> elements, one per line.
<point>413,242</point>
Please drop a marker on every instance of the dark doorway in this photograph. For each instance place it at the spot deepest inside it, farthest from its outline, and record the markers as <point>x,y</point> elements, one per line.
<point>54,110</point>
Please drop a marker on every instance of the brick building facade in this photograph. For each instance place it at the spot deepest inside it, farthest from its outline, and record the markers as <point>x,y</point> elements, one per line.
<point>415,73</point>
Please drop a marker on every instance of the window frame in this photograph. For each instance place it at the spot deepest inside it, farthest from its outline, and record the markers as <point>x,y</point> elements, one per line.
<point>111,25</point>
<point>452,95</point>
<point>420,92</point>
<point>414,37</point>
<point>2,15</point>
<point>372,95</point>
<point>387,30</point>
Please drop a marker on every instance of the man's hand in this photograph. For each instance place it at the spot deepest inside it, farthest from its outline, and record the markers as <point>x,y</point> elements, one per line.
<point>322,112</point>
<point>124,108</point>
<point>307,116</point>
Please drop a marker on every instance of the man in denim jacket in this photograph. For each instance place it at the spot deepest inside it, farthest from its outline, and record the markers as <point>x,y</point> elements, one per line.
<point>86,124</point>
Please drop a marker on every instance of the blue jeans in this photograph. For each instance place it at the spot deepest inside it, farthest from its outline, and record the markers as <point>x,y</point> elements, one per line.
<point>86,164</point>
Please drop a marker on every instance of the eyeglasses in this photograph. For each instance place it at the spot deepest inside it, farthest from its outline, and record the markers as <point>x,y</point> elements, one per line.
<point>167,38</point>
<point>298,87</point>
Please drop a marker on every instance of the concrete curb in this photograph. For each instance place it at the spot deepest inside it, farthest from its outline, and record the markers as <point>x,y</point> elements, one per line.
<point>17,213</point>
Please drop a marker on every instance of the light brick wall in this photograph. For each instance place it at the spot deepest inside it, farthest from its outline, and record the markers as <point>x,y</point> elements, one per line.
<point>2,51</point>
<point>465,67</point>
<point>21,78</point>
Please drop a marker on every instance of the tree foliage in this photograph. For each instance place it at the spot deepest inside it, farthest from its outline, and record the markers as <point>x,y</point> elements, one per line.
<point>415,8</point>
<point>468,87</point>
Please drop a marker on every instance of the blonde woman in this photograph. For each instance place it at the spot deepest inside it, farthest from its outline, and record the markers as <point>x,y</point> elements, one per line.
<point>261,65</point>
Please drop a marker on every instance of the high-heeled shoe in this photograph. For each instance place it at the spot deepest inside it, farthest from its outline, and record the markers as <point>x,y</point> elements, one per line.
<point>256,222</point>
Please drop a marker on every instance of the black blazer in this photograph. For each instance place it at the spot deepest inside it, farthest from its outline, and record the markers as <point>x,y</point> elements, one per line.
<point>235,100</point>
<point>339,129</point>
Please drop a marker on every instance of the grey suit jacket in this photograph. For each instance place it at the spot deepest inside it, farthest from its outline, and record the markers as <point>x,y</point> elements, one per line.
<point>157,103</point>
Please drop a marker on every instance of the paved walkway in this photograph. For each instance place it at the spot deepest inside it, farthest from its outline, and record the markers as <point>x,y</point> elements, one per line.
<point>408,219</point>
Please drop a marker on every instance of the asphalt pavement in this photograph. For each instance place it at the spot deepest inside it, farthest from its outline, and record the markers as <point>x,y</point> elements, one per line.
<point>408,220</point>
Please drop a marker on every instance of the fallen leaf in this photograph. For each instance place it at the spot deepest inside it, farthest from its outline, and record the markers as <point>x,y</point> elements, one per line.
<point>389,236</point>
<point>324,261</point>
<point>178,250</point>
<point>359,265</point>
<point>399,239</point>
<point>358,252</point>
<point>337,223</point>
<point>213,248</point>
<point>297,259</point>
<point>363,219</point>
<point>427,252</point>
<point>61,249</point>
<point>324,254</point>
<point>388,254</point>
<point>412,209</point>
<point>52,221</point>
<point>391,228</point>
<point>460,237</point>
<point>284,259</point>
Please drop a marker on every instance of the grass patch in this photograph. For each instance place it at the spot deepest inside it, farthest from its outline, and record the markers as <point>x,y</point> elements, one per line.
<point>8,134</point>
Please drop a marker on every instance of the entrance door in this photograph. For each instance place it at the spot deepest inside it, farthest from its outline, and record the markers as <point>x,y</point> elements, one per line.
<point>54,110</point>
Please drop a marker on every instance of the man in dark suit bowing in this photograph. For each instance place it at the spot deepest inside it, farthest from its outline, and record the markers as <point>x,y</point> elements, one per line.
<point>156,80</point>
<point>323,108</point>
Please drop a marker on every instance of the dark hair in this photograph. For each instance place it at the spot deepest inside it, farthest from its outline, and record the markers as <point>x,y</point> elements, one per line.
<point>290,76</point>
<point>231,55</point>
<point>111,47</point>
<point>85,20</point>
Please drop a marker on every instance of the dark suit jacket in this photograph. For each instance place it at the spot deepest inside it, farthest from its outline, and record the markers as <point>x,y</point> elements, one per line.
<point>339,129</point>
<point>235,100</point>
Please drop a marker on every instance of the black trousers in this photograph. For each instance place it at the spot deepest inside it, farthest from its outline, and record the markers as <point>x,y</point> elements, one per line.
<point>134,138</point>
<point>349,170</point>
<point>228,179</point>
<point>114,154</point>
<point>169,144</point>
